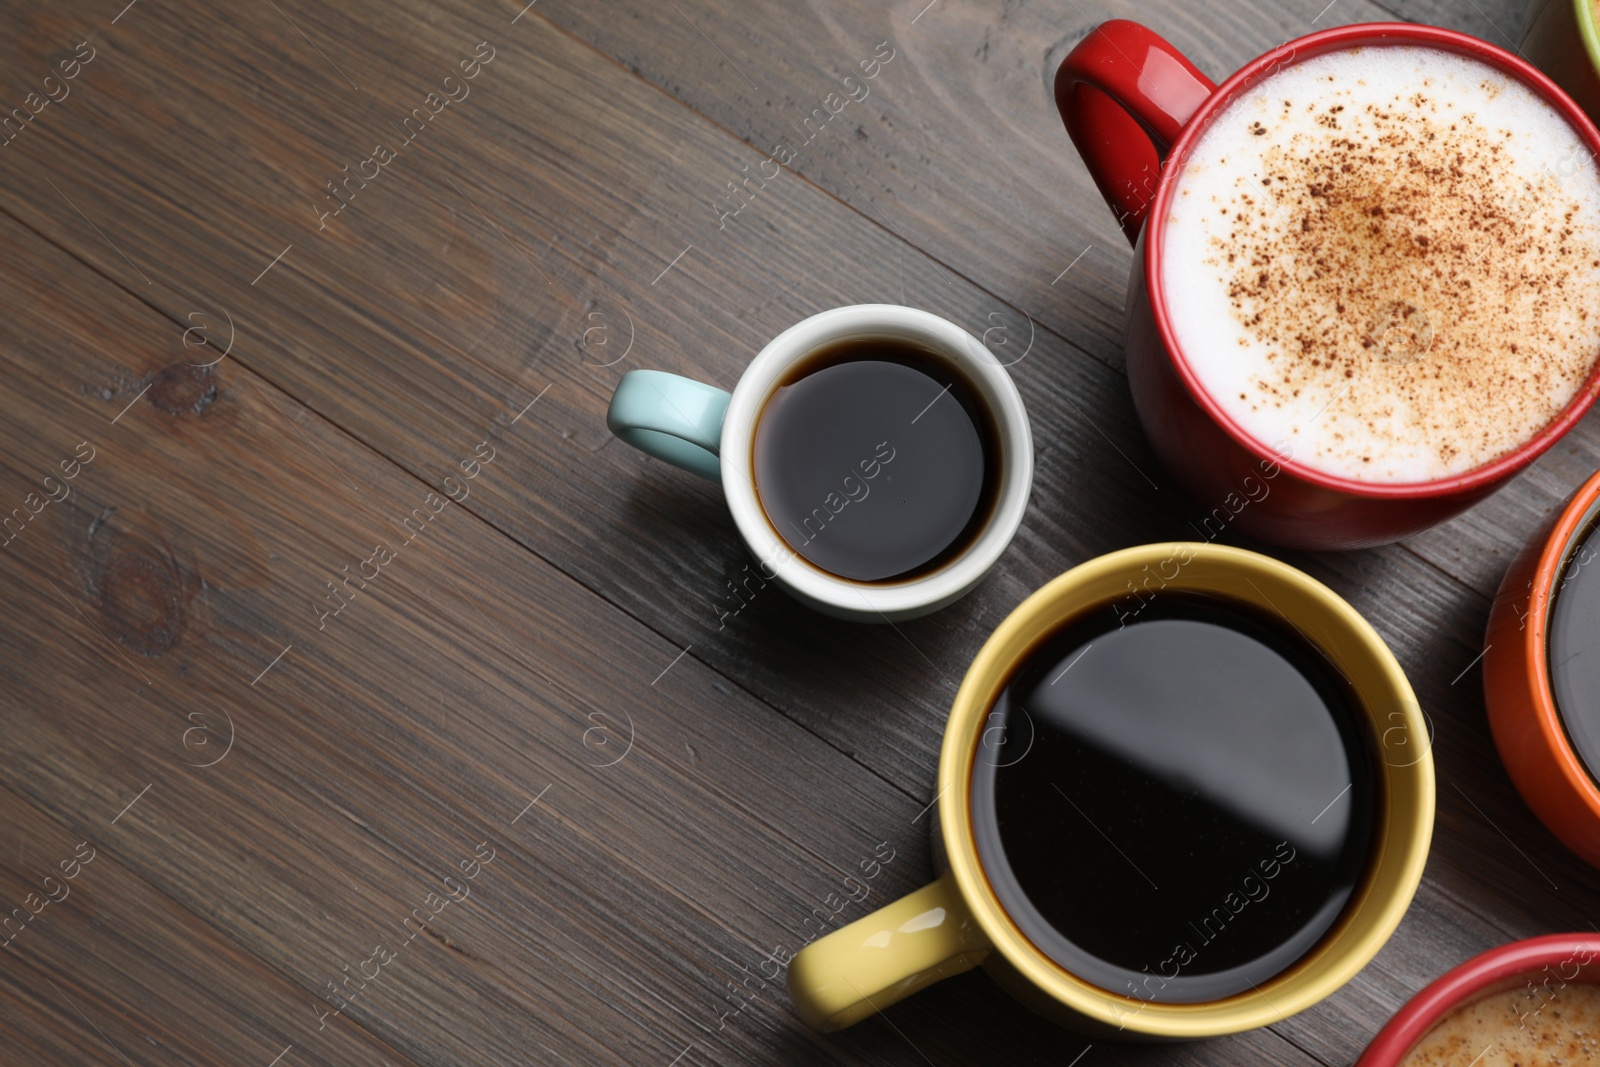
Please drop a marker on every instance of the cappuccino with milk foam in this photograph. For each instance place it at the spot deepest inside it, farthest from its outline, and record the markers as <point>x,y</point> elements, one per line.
<point>1387,258</point>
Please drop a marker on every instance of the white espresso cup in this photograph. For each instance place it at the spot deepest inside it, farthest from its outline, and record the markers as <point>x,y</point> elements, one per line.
<point>711,432</point>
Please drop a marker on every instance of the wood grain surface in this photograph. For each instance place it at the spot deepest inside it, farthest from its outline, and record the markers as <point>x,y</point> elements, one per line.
<point>277,764</point>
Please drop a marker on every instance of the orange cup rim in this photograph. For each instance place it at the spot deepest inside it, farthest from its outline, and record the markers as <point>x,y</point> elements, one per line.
<point>1578,514</point>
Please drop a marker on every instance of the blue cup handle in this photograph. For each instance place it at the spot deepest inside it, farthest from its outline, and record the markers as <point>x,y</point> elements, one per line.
<point>671,417</point>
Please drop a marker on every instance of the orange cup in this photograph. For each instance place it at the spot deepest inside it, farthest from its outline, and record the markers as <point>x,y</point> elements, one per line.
<point>1528,730</point>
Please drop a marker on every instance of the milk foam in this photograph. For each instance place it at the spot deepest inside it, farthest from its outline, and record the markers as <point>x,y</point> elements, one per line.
<point>1385,262</point>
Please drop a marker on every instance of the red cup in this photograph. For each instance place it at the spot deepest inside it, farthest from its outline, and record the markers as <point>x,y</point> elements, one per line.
<point>1134,106</point>
<point>1523,716</point>
<point>1544,966</point>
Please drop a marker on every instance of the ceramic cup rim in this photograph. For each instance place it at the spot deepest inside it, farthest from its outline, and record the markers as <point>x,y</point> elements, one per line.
<point>1577,517</point>
<point>1460,984</point>
<point>988,377</point>
<point>1588,30</point>
<point>1315,44</point>
<point>1404,819</point>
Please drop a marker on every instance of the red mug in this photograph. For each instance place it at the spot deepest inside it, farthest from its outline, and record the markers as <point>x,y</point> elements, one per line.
<point>1538,969</point>
<point>1134,106</point>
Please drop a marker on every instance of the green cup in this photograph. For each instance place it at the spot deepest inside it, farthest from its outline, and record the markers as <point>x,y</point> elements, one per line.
<point>1562,39</point>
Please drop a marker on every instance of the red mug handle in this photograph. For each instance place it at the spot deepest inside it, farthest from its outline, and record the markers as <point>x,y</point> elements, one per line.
<point>1125,94</point>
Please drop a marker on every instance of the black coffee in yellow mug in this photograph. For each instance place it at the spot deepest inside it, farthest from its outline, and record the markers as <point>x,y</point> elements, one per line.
<point>1174,797</point>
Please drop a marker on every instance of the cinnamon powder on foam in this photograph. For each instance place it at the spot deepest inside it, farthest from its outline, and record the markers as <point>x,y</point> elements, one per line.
<point>1397,267</point>
<point>1540,1025</point>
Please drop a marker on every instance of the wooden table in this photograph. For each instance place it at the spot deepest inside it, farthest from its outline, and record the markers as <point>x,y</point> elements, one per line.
<point>529,719</point>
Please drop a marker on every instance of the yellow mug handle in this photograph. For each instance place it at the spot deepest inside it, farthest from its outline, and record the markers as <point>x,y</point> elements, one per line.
<point>885,957</point>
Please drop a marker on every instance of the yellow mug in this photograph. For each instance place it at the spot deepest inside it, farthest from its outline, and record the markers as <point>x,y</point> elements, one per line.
<point>958,922</point>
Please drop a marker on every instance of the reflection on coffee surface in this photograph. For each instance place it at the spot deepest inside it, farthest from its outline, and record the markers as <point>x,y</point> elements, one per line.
<point>1388,258</point>
<point>875,460</point>
<point>1174,805</point>
<point>1574,649</point>
<point>1529,1026</point>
